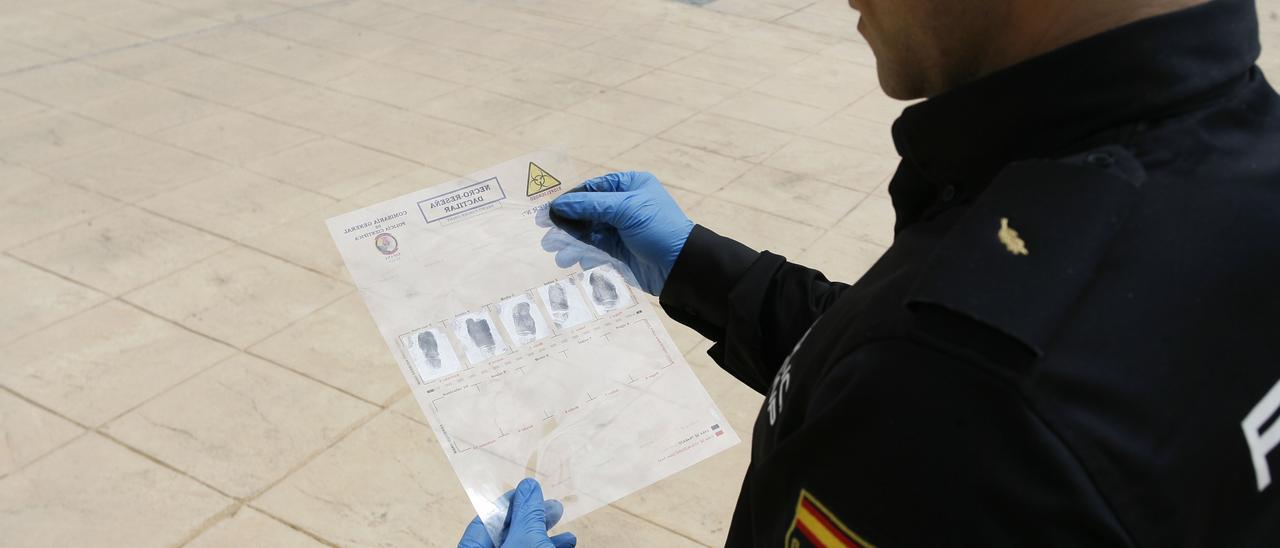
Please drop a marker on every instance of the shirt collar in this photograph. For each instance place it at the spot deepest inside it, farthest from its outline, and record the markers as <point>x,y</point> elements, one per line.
<point>965,136</point>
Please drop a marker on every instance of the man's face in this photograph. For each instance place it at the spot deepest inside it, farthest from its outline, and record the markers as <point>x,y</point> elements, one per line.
<point>925,47</point>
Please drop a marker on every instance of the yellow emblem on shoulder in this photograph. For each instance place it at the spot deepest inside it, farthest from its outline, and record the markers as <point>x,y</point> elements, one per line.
<point>1009,237</point>
<point>816,526</point>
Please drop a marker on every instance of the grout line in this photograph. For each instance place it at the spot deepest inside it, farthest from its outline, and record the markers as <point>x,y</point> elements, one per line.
<point>657,524</point>
<point>293,526</point>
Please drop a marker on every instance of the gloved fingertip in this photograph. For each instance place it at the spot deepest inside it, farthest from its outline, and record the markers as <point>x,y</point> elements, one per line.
<point>564,540</point>
<point>526,488</point>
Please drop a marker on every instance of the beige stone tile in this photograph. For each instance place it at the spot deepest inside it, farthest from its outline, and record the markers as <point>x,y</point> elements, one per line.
<point>739,73</point>
<point>840,257</point>
<point>305,242</point>
<point>638,50</point>
<point>14,106</point>
<point>763,11</point>
<point>152,62</point>
<point>763,55</point>
<point>67,84</point>
<point>612,527</point>
<point>322,110</point>
<point>853,131</point>
<point>14,57</point>
<point>483,154</point>
<point>238,296</point>
<point>147,109</point>
<point>597,69</point>
<point>64,34</point>
<point>412,181</point>
<point>697,502</point>
<point>584,138</point>
<point>387,483</point>
<point>236,204</point>
<point>340,346</point>
<point>871,221</point>
<point>681,166</point>
<point>29,432</point>
<point>121,356</point>
<point>842,26</point>
<point>305,63</point>
<point>330,34</point>
<point>32,205</point>
<point>852,51</point>
<point>786,36</point>
<point>847,167</point>
<point>544,88</point>
<point>412,136</point>
<point>232,42</point>
<point>331,167</point>
<point>366,13</point>
<point>120,250</point>
<point>684,198</point>
<point>90,10</point>
<point>674,34</point>
<point>633,112</point>
<point>822,81</point>
<point>771,112</point>
<point>235,137</point>
<point>155,21</point>
<point>392,85</point>
<point>134,170</point>
<point>757,229</point>
<point>241,425</point>
<point>878,107</point>
<point>408,407</point>
<point>95,493</point>
<point>231,84</point>
<point>727,136</point>
<point>678,88</point>
<point>447,64</point>
<point>50,136</point>
<point>481,110</point>
<point>796,197</point>
<point>32,299</point>
<point>250,528</point>
<point>544,29</point>
<point>227,10</point>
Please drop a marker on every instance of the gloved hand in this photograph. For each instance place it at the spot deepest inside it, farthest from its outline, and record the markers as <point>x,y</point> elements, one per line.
<point>528,519</point>
<point>628,215</point>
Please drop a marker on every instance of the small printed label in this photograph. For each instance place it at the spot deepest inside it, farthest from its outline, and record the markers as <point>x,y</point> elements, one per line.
<point>462,200</point>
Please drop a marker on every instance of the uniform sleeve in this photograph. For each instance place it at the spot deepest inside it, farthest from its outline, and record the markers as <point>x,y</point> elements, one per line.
<point>908,446</point>
<point>754,305</point>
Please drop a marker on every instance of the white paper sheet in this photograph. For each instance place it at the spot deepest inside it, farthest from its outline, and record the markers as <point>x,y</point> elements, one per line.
<point>524,368</point>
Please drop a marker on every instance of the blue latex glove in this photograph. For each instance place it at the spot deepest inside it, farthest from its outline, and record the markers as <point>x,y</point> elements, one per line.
<point>628,215</point>
<point>528,519</point>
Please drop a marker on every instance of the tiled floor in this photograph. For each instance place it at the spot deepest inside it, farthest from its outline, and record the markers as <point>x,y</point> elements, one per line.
<point>183,359</point>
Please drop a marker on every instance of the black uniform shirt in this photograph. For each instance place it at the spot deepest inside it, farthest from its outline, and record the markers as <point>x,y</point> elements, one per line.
<point>1074,339</point>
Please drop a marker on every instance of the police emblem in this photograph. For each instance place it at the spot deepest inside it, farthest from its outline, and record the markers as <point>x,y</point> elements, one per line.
<point>386,243</point>
<point>815,526</point>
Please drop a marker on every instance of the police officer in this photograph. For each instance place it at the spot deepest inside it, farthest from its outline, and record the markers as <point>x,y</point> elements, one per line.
<point>1074,339</point>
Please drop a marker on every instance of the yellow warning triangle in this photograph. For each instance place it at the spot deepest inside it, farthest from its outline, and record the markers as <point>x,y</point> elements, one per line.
<point>540,180</point>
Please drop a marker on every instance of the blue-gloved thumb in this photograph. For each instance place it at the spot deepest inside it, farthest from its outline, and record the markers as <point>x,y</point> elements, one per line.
<point>564,540</point>
<point>527,512</point>
<point>600,207</point>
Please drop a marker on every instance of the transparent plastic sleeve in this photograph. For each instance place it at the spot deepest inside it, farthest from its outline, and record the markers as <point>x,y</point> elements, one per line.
<point>524,368</point>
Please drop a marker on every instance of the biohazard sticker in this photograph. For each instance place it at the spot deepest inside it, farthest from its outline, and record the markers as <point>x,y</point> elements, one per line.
<point>539,180</point>
<point>815,526</point>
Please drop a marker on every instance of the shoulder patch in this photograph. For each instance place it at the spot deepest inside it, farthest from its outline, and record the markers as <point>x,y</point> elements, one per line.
<point>1029,245</point>
<point>816,526</point>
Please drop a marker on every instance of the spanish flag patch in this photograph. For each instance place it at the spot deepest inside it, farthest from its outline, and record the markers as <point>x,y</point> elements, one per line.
<point>815,526</point>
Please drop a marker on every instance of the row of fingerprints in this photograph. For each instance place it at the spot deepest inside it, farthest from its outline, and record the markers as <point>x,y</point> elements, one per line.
<point>431,351</point>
